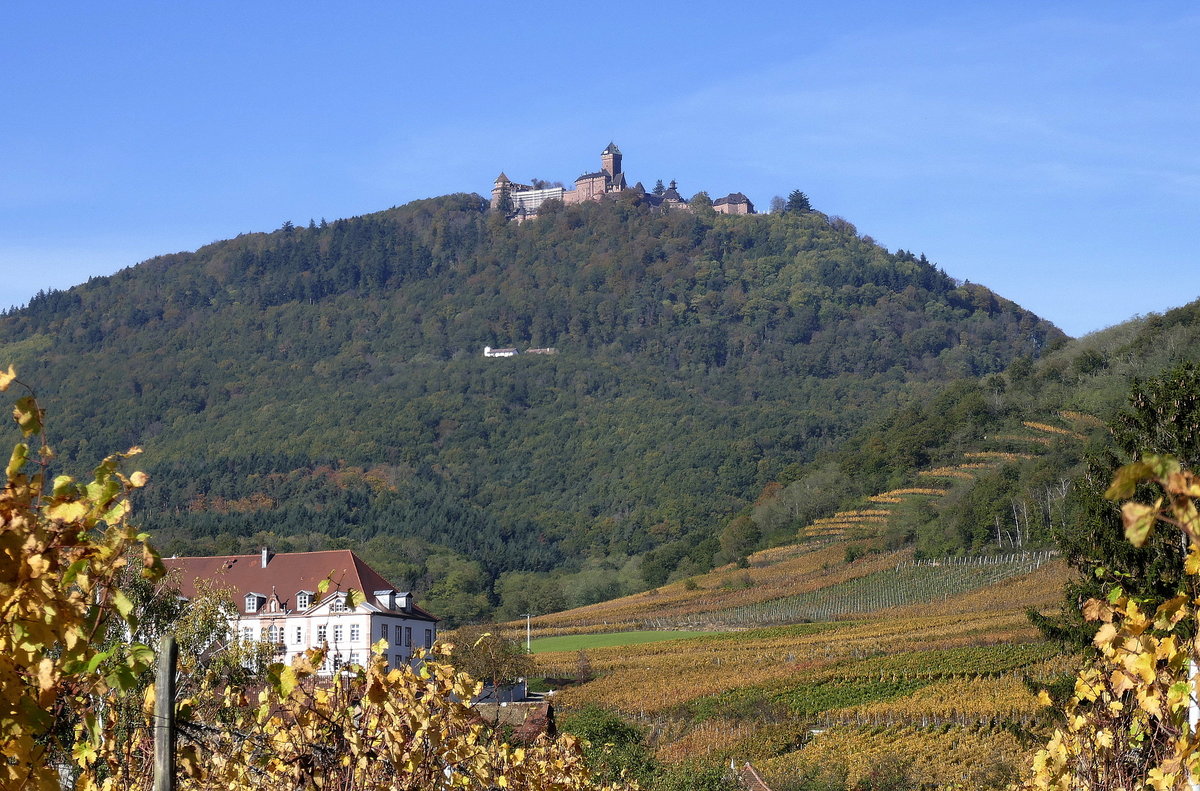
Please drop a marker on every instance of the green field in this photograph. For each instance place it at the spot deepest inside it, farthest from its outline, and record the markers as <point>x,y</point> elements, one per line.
<point>583,642</point>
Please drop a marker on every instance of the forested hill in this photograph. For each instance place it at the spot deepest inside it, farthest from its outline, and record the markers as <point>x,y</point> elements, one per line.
<point>325,384</point>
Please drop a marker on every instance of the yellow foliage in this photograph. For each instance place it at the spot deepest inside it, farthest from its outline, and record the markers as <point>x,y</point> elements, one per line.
<point>62,548</point>
<point>1127,725</point>
<point>365,728</point>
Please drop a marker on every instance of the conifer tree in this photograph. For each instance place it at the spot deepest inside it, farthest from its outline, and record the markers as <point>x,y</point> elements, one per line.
<point>798,202</point>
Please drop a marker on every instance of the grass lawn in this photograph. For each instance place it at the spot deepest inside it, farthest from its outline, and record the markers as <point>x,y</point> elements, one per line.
<point>582,642</point>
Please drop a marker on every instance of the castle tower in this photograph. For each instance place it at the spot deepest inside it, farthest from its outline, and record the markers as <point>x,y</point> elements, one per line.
<point>610,162</point>
<point>499,189</point>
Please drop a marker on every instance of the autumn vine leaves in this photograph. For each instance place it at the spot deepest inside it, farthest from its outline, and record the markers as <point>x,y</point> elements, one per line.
<point>1128,724</point>
<point>62,547</point>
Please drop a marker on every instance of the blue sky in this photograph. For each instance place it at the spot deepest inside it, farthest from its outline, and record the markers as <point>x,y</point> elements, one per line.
<point>1047,150</point>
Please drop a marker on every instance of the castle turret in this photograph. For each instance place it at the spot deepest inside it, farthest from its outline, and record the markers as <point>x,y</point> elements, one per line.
<point>499,190</point>
<point>610,162</point>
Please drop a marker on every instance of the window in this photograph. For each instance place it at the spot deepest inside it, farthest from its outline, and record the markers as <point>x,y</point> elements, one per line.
<point>321,634</point>
<point>303,600</point>
<point>352,658</point>
<point>337,634</point>
<point>408,636</point>
<point>338,604</point>
<point>299,639</point>
<point>383,632</point>
<point>251,602</point>
<point>247,633</point>
<point>429,638</point>
<point>354,633</point>
<point>399,660</point>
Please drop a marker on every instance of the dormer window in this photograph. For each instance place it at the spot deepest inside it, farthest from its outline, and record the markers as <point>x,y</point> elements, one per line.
<point>338,604</point>
<point>304,600</point>
<point>254,601</point>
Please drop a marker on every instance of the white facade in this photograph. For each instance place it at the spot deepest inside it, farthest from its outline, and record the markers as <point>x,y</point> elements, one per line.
<point>488,351</point>
<point>348,634</point>
<point>531,200</point>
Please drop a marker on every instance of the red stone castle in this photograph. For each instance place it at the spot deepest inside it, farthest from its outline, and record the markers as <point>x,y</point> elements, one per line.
<point>522,201</point>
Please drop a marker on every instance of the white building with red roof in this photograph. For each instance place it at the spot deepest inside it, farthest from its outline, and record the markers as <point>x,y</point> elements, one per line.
<point>278,600</point>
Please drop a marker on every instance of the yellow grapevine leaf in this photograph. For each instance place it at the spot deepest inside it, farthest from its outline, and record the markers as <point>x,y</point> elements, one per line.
<point>28,415</point>
<point>1126,480</point>
<point>1105,636</point>
<point>69,511</point>
<point>122,603</point>
<point>17,460</point>
<point>287,682</point>
<point>139,479</point>
<point>1145,666</point>
<point>1159,780</point>
<point>1185,483</point>
<point>1139,521</point>
<point>1192,564</point>
<point>1096,610</point>
<point>1188,517</point>
<point>1121,682</point>
<point>7,378</point>
<point>47,677</point>
<point>38,565</point>
<point>1163,467</point>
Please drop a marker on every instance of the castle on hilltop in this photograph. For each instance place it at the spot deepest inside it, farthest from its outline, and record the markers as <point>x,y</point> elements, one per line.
<point>522,201</point>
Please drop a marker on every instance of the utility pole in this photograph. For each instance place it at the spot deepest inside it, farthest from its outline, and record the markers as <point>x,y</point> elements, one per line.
<point>164,715</point>
<point>528,642</point>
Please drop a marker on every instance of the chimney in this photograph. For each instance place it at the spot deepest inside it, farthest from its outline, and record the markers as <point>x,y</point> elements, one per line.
<point>266,556</point>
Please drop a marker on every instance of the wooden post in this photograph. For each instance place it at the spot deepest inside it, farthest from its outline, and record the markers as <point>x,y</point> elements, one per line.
<point>164,715</point>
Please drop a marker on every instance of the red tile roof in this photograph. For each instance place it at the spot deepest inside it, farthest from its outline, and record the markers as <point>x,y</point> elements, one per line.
<point>286,574</point>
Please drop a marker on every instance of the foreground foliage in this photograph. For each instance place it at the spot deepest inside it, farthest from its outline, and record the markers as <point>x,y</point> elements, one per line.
<point>366,728</point>
<point>1127,723</point>
<point>63,546</point>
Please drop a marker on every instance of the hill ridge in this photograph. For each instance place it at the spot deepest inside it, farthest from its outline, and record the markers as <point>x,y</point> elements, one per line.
<point>323,383</point>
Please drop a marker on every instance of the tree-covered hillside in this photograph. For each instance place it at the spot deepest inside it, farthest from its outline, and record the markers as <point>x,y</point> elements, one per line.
<point>325,384</point>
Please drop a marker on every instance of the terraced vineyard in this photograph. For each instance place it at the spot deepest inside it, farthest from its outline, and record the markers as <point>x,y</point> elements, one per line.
<point>872,518</point>
<point>909,583</point>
